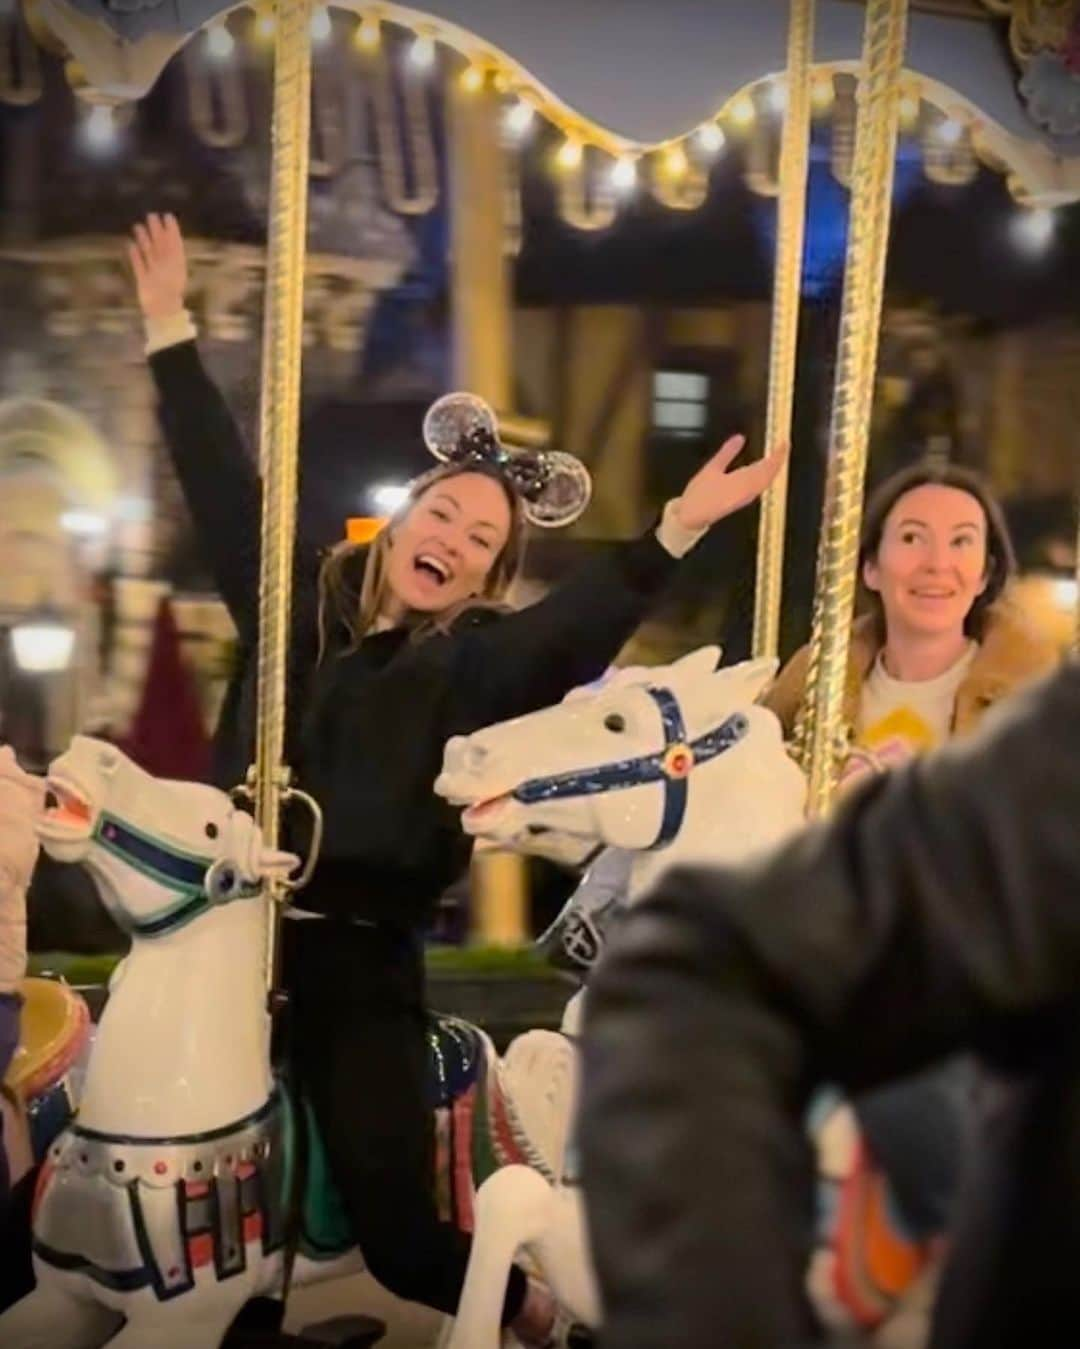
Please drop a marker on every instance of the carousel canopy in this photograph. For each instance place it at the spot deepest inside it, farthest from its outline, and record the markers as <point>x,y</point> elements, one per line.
<point>633,75</point>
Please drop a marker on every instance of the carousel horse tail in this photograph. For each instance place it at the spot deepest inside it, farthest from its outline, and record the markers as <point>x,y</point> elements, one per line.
<point>513,1207</point>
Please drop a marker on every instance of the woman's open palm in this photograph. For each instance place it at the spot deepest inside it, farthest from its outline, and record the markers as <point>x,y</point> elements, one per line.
<point>160,266</point>
<point>717,490</point>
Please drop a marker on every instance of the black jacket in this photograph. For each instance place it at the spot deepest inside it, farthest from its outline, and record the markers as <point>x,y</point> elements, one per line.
<point>938,911</point>
<point>367,727</point>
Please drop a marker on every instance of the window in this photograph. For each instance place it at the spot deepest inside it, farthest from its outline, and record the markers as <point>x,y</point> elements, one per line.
<point>680,404</point>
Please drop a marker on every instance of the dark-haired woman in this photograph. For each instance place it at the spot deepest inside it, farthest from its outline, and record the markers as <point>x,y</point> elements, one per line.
<point>938,645</point>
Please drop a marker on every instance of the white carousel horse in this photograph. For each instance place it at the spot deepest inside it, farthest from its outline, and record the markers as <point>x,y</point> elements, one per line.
<point>159,1211</point>
<point>677,765</point>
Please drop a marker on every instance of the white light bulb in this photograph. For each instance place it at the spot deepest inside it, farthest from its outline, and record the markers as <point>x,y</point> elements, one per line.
<point>99,129</point>
<point>321,27</point>
<point>42,646</point>
<point>624,173</point>
<point>710,138</point>
<point>368,34</point>
<point>422,53</point>
<point>776,97</point>
<point>388,497</point>
<point>1033,230</point>
<point>1065,590</point>
<point>950,132</point>
<point>519,118</point>
<point>219,42</point>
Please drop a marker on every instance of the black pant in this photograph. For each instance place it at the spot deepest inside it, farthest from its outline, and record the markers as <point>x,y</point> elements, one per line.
<point>358,1021</point>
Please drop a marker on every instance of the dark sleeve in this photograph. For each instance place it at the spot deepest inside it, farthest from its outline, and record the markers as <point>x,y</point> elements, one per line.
<point>935,912</point>
<point>217,474</point>
<point>533,657</point>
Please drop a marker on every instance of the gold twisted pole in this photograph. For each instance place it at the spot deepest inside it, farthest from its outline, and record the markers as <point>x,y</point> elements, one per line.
<point>1076,631</point>
<point>787,287</point>
<point>860,319</point>
<point>279,419</point>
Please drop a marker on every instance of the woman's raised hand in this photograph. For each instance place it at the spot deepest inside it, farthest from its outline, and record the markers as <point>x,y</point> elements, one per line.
<point>717,490</point>
<point>160,266</point>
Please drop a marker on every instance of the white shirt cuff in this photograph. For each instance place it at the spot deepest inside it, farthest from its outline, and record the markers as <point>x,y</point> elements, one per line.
<point>169,331</point>
<point>673,535</point>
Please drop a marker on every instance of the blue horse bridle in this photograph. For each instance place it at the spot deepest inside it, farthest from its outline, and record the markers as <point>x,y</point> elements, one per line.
<point>671,765</point>
<point>199,882</point>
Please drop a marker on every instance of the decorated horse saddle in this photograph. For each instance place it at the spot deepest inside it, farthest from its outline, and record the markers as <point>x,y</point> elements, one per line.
<point>152,1212</point>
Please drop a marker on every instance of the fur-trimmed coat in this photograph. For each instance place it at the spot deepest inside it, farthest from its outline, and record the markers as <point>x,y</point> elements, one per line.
<point>1011,654</point>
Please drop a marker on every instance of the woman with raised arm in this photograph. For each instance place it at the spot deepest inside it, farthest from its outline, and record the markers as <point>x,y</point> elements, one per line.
<point>395,648</point>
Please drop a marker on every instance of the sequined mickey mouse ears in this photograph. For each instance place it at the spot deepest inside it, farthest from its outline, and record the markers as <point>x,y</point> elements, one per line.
<point>554,487</point>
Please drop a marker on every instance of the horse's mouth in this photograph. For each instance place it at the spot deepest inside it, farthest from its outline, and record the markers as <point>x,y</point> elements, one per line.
<point>68,811</point>
<point>480,817</point>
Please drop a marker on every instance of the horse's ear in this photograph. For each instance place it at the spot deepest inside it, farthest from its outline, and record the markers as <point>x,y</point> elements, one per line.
<point>698,664</point>
<point>749,679</point>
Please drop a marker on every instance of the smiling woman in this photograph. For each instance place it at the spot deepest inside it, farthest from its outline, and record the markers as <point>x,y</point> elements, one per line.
<point>404,644</point>
<point>937,646</point>
<point>938,642</point>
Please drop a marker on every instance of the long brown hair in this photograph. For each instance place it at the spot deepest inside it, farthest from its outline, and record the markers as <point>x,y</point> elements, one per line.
<point>1000,557</point>
<point>352,579</point>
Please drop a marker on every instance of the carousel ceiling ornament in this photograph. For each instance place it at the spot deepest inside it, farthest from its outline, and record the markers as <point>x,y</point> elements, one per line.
<point>1045,39</point>
<point>671,95</point>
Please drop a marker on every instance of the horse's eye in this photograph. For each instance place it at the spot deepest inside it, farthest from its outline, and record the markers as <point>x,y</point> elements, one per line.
<point>211,830</point>
<point>615,721</point>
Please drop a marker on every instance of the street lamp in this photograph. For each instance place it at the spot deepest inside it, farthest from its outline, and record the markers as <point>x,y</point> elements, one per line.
<point>43,641</point>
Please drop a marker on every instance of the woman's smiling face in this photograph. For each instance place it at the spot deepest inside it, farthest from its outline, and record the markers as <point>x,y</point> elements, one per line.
<point>931,564</point>
<point>442,551</point>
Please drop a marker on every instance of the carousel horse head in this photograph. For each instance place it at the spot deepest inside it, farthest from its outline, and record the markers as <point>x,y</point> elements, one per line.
<point>160,852</point>
<point>618,766</point>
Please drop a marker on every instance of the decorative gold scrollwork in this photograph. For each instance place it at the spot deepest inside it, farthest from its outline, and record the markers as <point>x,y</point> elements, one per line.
<point>1036,25</point>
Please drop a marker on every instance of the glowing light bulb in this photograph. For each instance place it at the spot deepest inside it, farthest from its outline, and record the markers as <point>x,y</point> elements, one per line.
<point>321,27</point>
<point>1033,230</point>
<point>472,79</point>
<point>219,42</point>
<point>742,111</point>
<point>570,153</point>
<point>422,52</point>
<point>1064,591</point>
<point>99,129</point>
<point>675,161</point>
<point>950,132</point>
<point>624,173</point>
<point>519,119</point>
<point>369,33</point>
<point>710,138</point>
<point>776,96</point>
<point>265,24</point>
<point>822,93</point>
<point>910,105</point>
<point>501,82</point>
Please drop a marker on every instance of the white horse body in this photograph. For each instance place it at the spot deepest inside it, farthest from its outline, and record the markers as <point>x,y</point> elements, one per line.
<point>179,1078</point>
<point>184,1088</point>
<point>158,1214</point>
<point>561,781</point>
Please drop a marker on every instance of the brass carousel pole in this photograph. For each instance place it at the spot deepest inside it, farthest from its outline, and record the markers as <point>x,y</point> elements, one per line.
<point>860,319</point>
<point>790,229</point>
<point>279,418</point>
<point>1076,631</point>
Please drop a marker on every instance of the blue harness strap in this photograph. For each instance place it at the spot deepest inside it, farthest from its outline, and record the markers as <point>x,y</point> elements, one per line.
<point>181,872</point>
<point>671,765</point>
